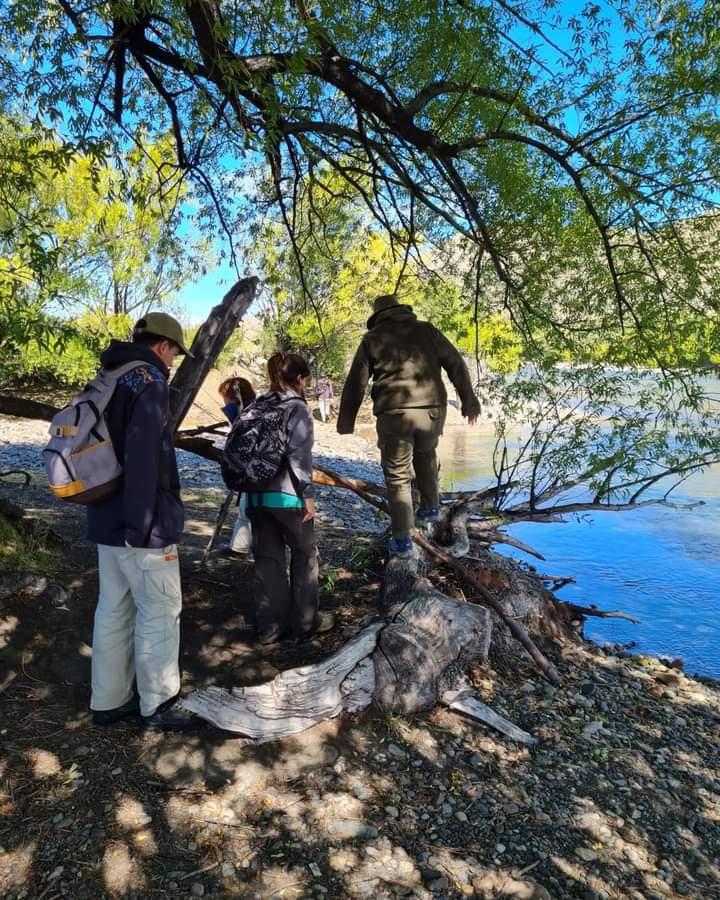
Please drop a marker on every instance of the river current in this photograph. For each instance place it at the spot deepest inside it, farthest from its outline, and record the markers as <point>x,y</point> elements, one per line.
<point>658,563</point>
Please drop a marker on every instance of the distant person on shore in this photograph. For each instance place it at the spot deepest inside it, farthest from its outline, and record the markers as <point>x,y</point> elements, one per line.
<point>405,357</point>
<point>282,516</point>
<point>237,393</point>
<point>325,396</point>
<point>136,636</point>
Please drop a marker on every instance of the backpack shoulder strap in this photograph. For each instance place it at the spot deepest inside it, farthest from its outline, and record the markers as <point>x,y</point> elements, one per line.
<point>117,373</point>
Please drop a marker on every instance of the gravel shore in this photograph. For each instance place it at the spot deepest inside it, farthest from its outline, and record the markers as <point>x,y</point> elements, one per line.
<point>619,799</point>
<point>21,442</point>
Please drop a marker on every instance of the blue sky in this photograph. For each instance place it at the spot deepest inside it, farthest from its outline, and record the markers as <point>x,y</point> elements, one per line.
<point>197,298</point>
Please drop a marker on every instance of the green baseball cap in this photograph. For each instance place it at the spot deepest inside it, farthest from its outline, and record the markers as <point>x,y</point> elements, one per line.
<point>164,326</point>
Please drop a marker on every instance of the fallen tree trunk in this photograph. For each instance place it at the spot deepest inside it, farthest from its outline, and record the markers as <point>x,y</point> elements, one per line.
<point>406,663</point>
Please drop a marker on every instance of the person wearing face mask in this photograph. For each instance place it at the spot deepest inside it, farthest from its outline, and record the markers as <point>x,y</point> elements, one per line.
<point>238,393</point>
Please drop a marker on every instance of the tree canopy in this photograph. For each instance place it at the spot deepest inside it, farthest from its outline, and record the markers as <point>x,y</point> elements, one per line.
<point>85,244</point>
<point>564,159</point>
<point>574,150</point>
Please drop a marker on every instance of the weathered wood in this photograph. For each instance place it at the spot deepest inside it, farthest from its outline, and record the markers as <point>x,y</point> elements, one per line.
<point>405,663</point>
<point>429,643</point>
<point>468,702</point>
<point>581,611</point>
<point>296,699</point>
<point>332,479</point>
<point>219,522</point>
<point>21,408</point>
<point>516,629</point>
<point>207,346</point>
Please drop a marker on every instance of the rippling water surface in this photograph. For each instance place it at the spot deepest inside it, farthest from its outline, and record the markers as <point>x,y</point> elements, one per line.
<point>660,564</point>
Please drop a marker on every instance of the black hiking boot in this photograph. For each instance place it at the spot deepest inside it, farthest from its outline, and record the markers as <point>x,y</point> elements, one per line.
<point>171,716</point>
<point>105,717</point>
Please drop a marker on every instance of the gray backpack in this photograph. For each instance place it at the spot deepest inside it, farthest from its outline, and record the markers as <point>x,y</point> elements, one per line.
<point>80,460</point>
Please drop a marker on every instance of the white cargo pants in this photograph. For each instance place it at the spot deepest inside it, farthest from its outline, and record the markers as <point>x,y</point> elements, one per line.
<point>137,627</point>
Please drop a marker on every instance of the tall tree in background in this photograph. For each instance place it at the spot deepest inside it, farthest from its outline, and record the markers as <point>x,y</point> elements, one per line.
<point>85,245</point>
<point>573,151</point>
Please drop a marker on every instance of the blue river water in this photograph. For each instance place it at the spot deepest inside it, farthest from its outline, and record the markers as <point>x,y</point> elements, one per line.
<point>658,563</point>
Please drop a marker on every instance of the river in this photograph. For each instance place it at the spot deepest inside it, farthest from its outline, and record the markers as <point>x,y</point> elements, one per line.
<point>658,563</point>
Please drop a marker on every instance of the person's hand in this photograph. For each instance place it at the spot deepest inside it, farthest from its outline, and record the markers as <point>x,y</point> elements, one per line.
<point>309,509</point>
<point>472,420</point>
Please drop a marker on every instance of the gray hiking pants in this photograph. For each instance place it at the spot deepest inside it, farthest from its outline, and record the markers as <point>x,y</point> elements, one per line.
<point>408,440</point>
<point>282,606</point>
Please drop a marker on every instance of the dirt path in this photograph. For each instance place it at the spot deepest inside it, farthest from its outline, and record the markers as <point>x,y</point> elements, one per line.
<point>621,798</point>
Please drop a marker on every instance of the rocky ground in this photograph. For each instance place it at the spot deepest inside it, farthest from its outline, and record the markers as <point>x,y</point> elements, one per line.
<point>619,799</point>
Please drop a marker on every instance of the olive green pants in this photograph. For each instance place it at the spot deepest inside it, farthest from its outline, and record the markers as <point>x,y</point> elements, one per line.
<point>408,440</point>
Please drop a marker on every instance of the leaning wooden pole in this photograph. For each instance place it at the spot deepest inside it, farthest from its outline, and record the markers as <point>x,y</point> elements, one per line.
<point>207,346</point>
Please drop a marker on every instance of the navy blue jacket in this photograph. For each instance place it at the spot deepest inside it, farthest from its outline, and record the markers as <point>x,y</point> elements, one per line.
<point>147,510</point>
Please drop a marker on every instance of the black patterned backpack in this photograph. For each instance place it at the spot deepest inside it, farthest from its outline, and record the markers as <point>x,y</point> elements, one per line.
<point>256,448</point>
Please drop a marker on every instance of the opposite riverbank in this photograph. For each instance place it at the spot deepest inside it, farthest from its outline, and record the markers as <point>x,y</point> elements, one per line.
<point>620,798</point>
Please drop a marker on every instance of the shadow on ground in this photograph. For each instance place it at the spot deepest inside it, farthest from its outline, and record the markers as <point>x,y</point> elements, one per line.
<point>621,799</point>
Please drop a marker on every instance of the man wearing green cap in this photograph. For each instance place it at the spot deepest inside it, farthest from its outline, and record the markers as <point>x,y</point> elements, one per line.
<point>136,636</point>
<point>405,358</point>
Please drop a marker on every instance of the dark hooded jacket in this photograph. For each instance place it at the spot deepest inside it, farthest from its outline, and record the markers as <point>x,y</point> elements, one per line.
<point>404,357</point>
<point>147,510</point>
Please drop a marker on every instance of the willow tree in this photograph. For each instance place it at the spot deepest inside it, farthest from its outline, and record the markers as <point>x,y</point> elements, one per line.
<point>572,154</point>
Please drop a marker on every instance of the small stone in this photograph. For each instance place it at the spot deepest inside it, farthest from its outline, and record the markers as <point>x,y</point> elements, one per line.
<point>392,811</point>
<point>429,874</point>
<point>500,848</point>
<point>315,869</point>
<point>361,791</point>
<point>592,729</point>
<point>228,870</point>
<point>56,873</point>
<point>396,751</point>
<point>461,816</point>
<point>585,854</point>
<point>197,890</point>
<point>117,771</point>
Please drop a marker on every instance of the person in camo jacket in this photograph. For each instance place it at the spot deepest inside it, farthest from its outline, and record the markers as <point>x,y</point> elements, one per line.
<point>136,634</point>
<point>405,358</point>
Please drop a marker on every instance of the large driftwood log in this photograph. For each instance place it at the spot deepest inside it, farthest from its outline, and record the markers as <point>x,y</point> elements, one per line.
<point>429,642</point>
<point>406,663</point>
<point>296,699</point>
